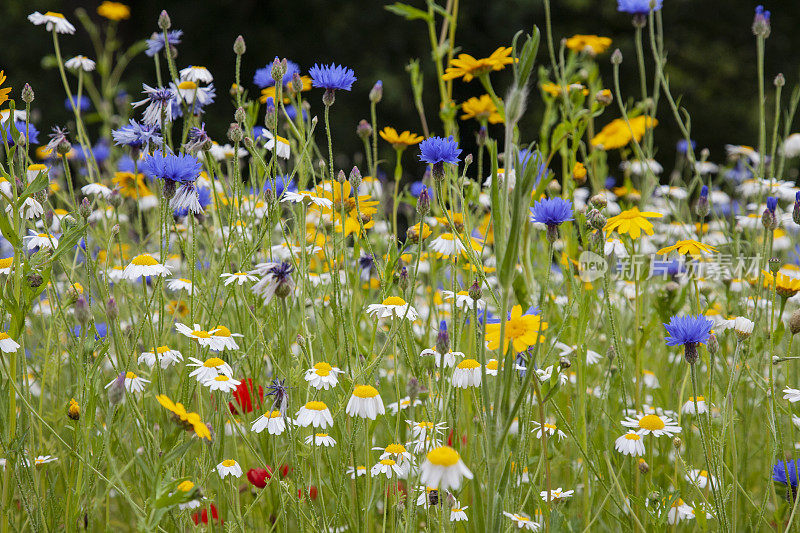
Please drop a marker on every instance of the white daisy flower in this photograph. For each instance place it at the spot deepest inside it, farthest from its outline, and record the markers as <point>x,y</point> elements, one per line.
<point>204,338</point>
<point>314,414</point>
<point>29,209</point>
<point>689,408</point>
<point>240,278</point>
<point>209,369</point>
<point>557,494</point>
<point>463,299</point>
<point>229,467</point>
<point>272,421</point>
<point>322,376</point>
<point>52,20</point>
<point>551,430</point>
<point>652,424</point>
<point>365,402</point>
<point>321,439</point>
<point>300,196</point>
<point>457,513</point>
<point>387,467</point>
<point>793,395</point>
<point>701,478</point>
<point>284,150</point>
<point>448,360</point>
<point>180,284</point>
<point>467,374</point>
<point>7,344</point>
<point>221,383</point>
<point>630,444</point>
<point>196,74</point>
<point>523,522</point>
<point>393,307</point>
<point>443,468</point>
<point>133,383</point>
<point>224,339</point>
<point>80,63</point>
<point>403,404</point>
<point>142,266</point>
<point>97,189</point>
<point>359,470</point>
<point>164,354</point>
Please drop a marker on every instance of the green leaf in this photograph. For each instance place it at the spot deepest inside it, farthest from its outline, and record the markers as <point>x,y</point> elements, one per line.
<point>408,12</point>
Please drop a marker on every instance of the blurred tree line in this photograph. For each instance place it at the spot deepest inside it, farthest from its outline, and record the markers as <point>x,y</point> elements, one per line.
<point>711,55</point>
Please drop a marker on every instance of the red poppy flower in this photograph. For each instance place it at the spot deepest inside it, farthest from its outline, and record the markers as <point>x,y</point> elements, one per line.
<point>203,516</point>
<point>244,397</point>
<point>312,492</point>
<point>284,470</point>
<point>259,476</point>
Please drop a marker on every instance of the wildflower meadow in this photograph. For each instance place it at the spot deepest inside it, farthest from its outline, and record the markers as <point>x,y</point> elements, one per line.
<point>479,327</point>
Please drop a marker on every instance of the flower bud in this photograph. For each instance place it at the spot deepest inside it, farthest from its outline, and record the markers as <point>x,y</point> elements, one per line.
<point>774,264</point>
<point>85,209</point>
<point>616,57</point>
<point>112,311</point>
<point>235,133</point>
<point>64,147</point>
<point>643,466</point>
<point>27,93</point>
<point>690,352</point>
<point>402,279</point>
<point>579,173</point>
<point>779,81</point>
<point>677,442</point>
<point>329,97</point>
<point>164,21</point>
<point>424,202</point>
<point>794,322</point>
<point>278,71</point>
<point>376,93</point>
<point>604,97</point>
<point>554,187</point>
<point>481,136</point>
<point>297,83</point>
<point>341,177</point>
<point>355,178</point>
<point>598,201</point>
<point>68,222</point>
<point>443,339</point>
<point>468,160</point>
<point>564,363</point>
<point>796,209</point>
<point>240,115</point>
<point>701,207</point>
<point>363,130</point>
<point>82,312</point>
<point>596,219</point>
<point>239,48</point>
<point>34,279</point>
<point>474,291</point>
<point>761,22</point>
<point>74,410</point>
<point>712,345</point>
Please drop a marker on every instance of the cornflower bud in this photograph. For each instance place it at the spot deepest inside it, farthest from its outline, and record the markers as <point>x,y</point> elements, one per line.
<point>297,83</point>
<point>443,339</point>
<point>278,70</point>
<point>112,311</point>
<point>774,264</point>
<point>240,115</point>
<point>474,291</point>
<point>424,202</point>
<point>27,93</point>
<point>355,178</point>
<point>779,80</point>
<point>712,344</point>
<point>616,57</point>
<point>702,208</point>
<point>85,209</point>
<point>481,136</point>
<point>768,218</point>
<point>239,48</point>
<point>363,130</point>
<point>761,22</point>
<point>82,312</point>
<point>164,21</point>
<point>402,279</point>
<point>598,201</point>
<point>796,209</point>
<point>794,322</point>
<point>596,219</point>
<point>329,97</point>
<point>341,177</point>
<point>376,93</point>
<point>34,280</point>
<point>235,133</point>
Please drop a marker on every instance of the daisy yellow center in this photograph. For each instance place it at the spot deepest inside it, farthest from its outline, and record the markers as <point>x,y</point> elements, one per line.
<point>213,362</point>
<point>42,235</point>
<point>319,435</point>
<point>189,85</point>
<point>492,365</point>
<point>633,436</point>
<point>316,406</point>
<point>549,426</point>
<point>365,391</point>
<point>130,375</point>
<point>425,425</point>
<point>6,262</point>
<point>443,456</point>
<point>186,280</point>
<point>322,369</point>
<point>388,462</point>
<point>37,167</point>
<point>162,349</point>
<point>699,399</point>
<point>228,463</point>
<point>4,336</point>
<point>462,293</point>
<point>468,364</point>
<point>201,335</point>
<point>395,448</point>
<point>54,14</point>
<point>222,331</point>
<point>651,422</point>
<point>144,260</point>
<point>274,414</point>
<point>221,378</point>
<point>394,300</point>
<point>522,518</point>
<point>186,486</point>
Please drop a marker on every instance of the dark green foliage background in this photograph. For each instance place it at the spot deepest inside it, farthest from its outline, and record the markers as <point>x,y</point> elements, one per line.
<point>711,54</point>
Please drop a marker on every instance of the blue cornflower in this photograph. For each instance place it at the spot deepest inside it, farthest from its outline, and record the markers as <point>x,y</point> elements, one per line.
<point>689,331</point>
<point>443,339</point>
<point>282,183</point>
<point>137,135</point>
<point>704,191</point>
<point>176,168</point>
<point>84,103</point>
<point>785,473</point>
<point>761,22</point>
<point>203,198</point>
<point>332,77</point>
<point>682,146</point>
<point>772,203</point>
<point>281,395</point>
<point>197,139</point>
<point>263,76</point>
<point>156,41</point>
<point>637,7</point>
<point>158,101</point>
<point>32,134</point>
<point>435,150</point>
<point>552,212</point>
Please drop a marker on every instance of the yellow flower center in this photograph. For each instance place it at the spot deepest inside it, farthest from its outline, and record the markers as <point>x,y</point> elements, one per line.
<point>162,349</point>
<point>188,85</point>
<point>395,448</point>
<point>144,260</point>
<point>388,462</point>
<point>274,414</point>
<point>318,435</point>
<point>186,486</point>
<point>54,14</point>
<point>322,369</point>
<point>651,422</point>
<point>202,335</point>
<point>492,365</point>
<point>6,262</point>
<point>228,463</point>
<point>222,331</point>
<point>443,456</point>
<point>633,436</point>
<point>4,336</point>
<point>468,364</point>
<point>222,378</point>
<point>213,362</point>
<point>38,167</point>
<point>130,375</point>
<point>316,406</point>
<point>394,300</point>
<point>365,391</point>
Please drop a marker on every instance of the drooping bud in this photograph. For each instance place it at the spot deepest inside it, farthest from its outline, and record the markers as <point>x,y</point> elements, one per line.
<point>74,410</point>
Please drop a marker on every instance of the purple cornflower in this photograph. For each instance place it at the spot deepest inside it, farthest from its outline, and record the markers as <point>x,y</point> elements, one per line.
<point>156,41</point>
